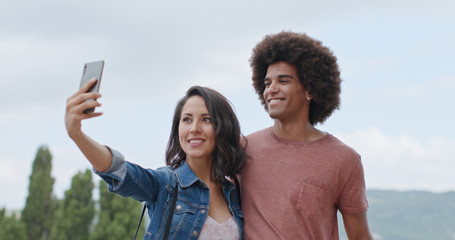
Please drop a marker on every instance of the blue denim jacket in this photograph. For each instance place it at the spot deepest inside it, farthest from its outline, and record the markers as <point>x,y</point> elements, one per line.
<point>156,188</point>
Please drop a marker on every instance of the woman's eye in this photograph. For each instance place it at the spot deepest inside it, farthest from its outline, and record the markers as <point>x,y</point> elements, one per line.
<point>186,119</point>
<point>207,120</point>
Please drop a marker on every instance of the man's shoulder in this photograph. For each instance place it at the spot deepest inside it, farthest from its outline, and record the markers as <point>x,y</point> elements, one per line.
<point>336,141</point>
<point>340,147</point>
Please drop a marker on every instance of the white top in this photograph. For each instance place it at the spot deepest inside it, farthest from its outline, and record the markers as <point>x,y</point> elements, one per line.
<point>212,230</point>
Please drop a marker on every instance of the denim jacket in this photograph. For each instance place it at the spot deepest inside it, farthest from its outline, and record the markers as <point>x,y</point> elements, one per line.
<point>156,188</point>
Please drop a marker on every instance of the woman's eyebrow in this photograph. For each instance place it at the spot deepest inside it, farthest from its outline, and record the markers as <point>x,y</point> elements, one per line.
<point>190,114</point>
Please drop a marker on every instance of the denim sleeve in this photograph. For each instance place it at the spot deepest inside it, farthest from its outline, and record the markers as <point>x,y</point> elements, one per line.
<point>118,166</point>
<point>131,180</point>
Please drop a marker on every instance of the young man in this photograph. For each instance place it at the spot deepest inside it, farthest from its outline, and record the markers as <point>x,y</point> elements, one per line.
<point>298,177</point>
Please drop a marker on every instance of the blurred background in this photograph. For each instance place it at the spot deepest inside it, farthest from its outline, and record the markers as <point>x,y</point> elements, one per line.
<point>396,62</point>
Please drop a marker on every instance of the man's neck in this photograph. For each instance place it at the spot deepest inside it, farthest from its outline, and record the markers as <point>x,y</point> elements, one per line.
<point>302,131</point>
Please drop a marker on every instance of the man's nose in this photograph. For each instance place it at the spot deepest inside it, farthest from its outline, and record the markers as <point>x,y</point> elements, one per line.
<point>273,87</point>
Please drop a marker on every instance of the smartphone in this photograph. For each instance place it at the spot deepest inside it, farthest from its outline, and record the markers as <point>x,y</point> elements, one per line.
<point>92,70</point>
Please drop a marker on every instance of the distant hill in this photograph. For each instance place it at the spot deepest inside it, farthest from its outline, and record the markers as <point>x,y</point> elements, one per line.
<point>410,215</point>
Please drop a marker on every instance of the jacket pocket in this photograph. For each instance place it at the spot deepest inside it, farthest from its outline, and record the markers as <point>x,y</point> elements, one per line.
<point>183,217</point>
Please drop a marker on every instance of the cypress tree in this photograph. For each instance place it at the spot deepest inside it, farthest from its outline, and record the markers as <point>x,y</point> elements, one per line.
<point>76,210</point>
<point>40,204</point>
<point>118,216</point>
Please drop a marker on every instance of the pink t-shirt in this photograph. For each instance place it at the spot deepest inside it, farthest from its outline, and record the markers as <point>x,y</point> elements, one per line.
<point>293,189</point>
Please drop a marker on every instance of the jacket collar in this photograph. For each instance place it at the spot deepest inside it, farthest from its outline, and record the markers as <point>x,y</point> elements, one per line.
<point>185,176</point>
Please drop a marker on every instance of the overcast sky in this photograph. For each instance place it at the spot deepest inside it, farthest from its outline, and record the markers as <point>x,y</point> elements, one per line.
<point>396,61</point>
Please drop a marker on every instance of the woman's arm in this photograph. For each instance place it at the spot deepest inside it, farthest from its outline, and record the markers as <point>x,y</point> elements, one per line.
<point>98,155</point>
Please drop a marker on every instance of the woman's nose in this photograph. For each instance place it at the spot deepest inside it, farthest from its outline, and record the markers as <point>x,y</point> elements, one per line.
<point>195,127</point>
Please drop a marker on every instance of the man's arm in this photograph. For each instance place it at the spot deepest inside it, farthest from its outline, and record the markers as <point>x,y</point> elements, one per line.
<point>356,226</point>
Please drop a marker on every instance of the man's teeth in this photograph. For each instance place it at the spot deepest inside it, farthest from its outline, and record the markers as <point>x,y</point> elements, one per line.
<point>275,100</point>
<point>195,141</point>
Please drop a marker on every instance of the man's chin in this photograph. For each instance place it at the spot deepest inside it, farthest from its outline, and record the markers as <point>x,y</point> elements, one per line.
<point>274,115</point>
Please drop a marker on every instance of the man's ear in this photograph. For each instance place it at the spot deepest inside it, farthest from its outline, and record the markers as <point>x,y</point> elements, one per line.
<point>308,96</point>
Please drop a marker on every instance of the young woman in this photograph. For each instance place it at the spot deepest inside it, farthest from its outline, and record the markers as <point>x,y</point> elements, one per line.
<point>203,149</point>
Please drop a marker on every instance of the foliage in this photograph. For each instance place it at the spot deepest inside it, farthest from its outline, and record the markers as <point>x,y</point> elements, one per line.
<point>11,228</point>
<point>40,205</point>
<point>118,216</point>
<point>76,211</point>
<point>74,217</point>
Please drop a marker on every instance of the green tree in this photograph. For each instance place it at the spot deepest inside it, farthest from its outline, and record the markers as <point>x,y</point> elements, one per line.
<point>118,216</point>
<point>40,204</point>
<point>76,211</point>
<point>11,228</point>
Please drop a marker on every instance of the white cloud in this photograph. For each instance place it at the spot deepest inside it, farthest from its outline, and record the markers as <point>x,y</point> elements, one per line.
<point>401,162</point>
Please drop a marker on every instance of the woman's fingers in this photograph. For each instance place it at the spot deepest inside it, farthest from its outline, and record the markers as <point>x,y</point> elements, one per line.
<point>74,116</point>
<point>76,104</point>
<point>86,105</point>
<point>84,88</point>
<point>87,85</point>
<point>81,98</point>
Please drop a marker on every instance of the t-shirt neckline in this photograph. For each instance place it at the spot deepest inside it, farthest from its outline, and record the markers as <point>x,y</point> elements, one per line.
<point>297,142</point>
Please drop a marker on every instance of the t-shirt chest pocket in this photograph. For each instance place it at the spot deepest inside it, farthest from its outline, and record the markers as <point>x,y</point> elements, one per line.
<point>314,199</point>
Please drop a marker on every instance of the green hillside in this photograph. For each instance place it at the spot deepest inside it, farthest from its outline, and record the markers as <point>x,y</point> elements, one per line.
<point>410,215</point>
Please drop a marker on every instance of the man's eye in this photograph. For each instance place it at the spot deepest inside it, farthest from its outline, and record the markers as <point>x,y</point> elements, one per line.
<point>267,84</point>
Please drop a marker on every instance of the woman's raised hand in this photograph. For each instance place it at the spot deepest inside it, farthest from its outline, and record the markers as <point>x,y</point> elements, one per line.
<point>76,104</point>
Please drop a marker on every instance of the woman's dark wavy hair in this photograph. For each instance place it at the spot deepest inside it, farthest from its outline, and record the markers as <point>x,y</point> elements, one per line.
<point>229,155</point>
<point>316,66</point>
